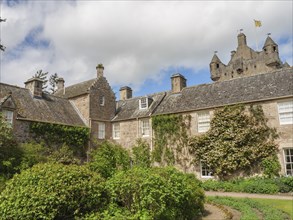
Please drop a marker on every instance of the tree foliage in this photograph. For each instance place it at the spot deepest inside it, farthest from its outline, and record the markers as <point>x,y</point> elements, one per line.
<point>9,150</point>
<point>171,139</point>
<point>109,158</point>
<point>53,82</point>
<point>52,191</point>
<point>238,140</point>
<point>154,193</point>
<point>141,154</point>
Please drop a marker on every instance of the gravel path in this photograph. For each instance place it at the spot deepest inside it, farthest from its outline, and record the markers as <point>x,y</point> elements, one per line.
<point>250,195</point>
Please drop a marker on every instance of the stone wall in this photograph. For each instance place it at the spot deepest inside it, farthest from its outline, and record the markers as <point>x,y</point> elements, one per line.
<point>82,104</point>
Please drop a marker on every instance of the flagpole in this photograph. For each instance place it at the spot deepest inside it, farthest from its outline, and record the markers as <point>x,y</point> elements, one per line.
<point>257,23</point>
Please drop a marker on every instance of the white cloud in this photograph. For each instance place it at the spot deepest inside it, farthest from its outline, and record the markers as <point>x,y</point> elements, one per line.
<point>135,40</point>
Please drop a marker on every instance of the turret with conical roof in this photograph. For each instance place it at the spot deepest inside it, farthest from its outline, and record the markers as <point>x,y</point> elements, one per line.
<point>215,67</point>
<point>271,52</point>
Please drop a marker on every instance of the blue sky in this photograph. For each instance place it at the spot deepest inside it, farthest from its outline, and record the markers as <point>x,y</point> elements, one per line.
<point>140,43</point>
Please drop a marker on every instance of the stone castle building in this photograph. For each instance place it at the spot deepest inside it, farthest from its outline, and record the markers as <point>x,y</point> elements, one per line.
<point>250,77</point>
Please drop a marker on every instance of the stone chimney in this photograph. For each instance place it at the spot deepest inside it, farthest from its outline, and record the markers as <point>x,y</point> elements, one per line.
<point>125,93</point>
<point>60,83</point>
<point>100,70</point>
<point>241,40</point>
<point>35,85</point>
<point>178,82</point>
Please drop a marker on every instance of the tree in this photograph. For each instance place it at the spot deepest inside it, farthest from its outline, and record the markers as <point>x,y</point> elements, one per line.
<point>109,158</point>
<point>141,154</point>
<point>239,139</point>
<point>53,83</point>
<point>1,46</point>
<point>9,151</point>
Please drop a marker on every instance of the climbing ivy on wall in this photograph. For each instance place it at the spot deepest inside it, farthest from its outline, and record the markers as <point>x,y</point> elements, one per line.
<point>56,135</point>
<point>171,139</point>
<point>238,140</point>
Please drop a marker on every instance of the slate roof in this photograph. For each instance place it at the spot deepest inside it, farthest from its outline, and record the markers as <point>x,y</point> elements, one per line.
<point>241,90</point>
<point>129,109</point>
<point>76,89</point>
<point>47,109</point>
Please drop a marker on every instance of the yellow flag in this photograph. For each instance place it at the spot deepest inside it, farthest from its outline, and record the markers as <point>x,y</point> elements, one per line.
<point>257,23</point>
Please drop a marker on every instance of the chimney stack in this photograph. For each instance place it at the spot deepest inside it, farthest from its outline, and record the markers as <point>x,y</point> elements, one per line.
<point>125,93</point>
<point>100,70</point>
<point>178,82</point>
<point>35,85</point>
<point>60,83</point>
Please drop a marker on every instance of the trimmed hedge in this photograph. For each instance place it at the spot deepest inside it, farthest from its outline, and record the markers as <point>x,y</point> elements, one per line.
<point>251,185</point>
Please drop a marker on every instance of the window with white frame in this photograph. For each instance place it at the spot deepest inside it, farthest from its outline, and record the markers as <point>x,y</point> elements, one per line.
<point>8,116</point>
<point>102,100</point>
<point>285,112</point>
<point>203,121</point>
<point>145,127</point>
<point>143,103</point>
<point>116,131</point>
<point>205,170</point>
<point>101,133</point>
<point>288,155</point>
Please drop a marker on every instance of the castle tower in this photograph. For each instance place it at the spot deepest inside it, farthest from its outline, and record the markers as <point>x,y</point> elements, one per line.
<point>215,68</point>
<point>271,52</point>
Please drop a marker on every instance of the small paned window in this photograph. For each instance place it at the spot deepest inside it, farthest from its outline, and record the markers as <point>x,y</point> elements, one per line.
<point>285,110</point>
<point>101,132</point>
<point>143,103</point>
<point>102,100</point>
<point>116,131</point>
<point>205,170</point>
<point>203,121</point>
<point>288,154</point>
<point>145,127</point>
<point>8,116</point>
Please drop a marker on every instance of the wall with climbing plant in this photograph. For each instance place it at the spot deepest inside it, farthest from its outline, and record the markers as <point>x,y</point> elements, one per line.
<point>171,138</point>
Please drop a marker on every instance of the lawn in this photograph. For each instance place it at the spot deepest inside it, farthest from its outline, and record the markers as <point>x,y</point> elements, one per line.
<point>270,209</point>
<point>284,205</point>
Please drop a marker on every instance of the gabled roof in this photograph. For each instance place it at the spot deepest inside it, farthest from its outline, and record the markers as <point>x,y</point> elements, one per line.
<point>129,109</point>
<point>76,89</point>
<point>241,90</point>
<point>49,108</point>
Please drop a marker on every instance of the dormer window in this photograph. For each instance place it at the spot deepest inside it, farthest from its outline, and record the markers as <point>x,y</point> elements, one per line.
<point>143,103</point>
<point>102,100</point>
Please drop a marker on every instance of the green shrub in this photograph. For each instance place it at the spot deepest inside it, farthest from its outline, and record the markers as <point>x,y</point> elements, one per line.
<point>224,186</point>
<point>109,158</point>
<point>156,193</point>
<point>141,154</point>
<point>32,153</point>
<point>271,166</point>
<point>52,191</point>
<point>258,186</point>
<point>64,155</point>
